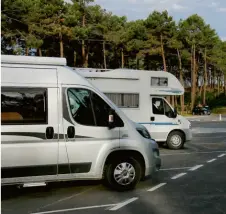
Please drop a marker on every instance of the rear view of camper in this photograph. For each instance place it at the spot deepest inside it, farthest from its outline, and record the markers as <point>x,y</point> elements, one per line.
<point>56,126</point>
<point>141,95</point>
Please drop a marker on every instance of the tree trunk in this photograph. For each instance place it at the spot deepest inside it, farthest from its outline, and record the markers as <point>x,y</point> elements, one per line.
<point>86,57</point>
<point>163,53</point>
<point>75,56</point>
<point>213,79</point>
<point>176,101</point>
<point>61,45</point>
<point>27,51</point>
<point>191,73</point>
<point>181,80</point>
<point>83,43</point>
<point>222,82</point>
<point>193,78</point>
<point>208,79</point>
<point>218,85</point>
<point>104,53</point>
<point>172,101</point>
<point>83,53</point>
<point>201,87</point>
<point>137,62</point>
<point>122,55</point>
<point>205,78</point>
<point>40,52</point>
<point>225,83</point>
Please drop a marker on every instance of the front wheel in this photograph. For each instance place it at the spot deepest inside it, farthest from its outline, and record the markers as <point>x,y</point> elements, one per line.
<point>123,174</point>
<point>175,140</point>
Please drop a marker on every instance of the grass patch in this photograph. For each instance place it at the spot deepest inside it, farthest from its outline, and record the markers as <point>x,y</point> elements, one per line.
<point>186,114</point>
<point>221,110</point>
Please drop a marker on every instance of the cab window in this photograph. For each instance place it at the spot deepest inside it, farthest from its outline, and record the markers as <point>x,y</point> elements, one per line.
<point>88,108</point>
<point>157,106</point>
<point>161,107</point>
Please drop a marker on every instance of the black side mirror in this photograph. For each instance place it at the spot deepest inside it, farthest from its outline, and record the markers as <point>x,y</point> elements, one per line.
<point>111,121</point>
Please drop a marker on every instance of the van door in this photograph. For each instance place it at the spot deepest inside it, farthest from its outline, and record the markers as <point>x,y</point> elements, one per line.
<point>86,128</point>
<point>29,132</point>
<point>161,118</point>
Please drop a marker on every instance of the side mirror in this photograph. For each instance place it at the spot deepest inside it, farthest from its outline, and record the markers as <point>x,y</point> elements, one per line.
<point>111,122</point>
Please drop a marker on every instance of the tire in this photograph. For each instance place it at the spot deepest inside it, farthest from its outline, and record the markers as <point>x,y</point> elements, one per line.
<point>111,178</point>
<point>161,144</point>
<point>175,140</point>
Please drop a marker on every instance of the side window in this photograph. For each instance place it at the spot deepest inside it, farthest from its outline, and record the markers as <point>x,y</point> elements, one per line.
<point>157,106</point>
<point>24,106</point>
<point>87,108</point>
<point>80,106</point>
<point>124,100</point>
<point>159,81</point>
<point>101,111</point>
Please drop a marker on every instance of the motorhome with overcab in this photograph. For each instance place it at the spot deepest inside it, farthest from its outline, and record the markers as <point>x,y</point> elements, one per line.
<point>141,96</point>
<point>56,126</point>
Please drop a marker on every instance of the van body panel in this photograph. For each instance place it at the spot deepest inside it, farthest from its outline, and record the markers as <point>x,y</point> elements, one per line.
<point>26,151</point>
<point>33,75</point>
<point>38,144</point>
<point>90,142</point>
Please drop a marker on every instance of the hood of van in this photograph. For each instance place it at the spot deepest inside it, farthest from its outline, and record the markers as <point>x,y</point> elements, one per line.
<point>184,121</point>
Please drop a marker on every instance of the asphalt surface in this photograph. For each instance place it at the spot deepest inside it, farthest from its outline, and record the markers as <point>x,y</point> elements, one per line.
<point>212,117</point>
<point>192,180</point>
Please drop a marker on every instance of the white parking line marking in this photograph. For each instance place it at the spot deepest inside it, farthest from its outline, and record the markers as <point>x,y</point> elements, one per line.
<point>178,175</point>
<point>212,160</point>
<point>222,155</point>
<point>191,153</point>
<point>67,198</point>
<point>174,168</point>
<point>120,205</point>
<point>196,167</point>
<point>156,187</point>
<point>74,209</point>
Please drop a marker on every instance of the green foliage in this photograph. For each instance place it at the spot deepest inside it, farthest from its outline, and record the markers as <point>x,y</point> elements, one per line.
<point>57,27</point>
<point>216,102</point>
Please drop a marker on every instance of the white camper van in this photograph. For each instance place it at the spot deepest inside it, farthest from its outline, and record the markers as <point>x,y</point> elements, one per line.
<point>56,126</point>
<point>140,94</point>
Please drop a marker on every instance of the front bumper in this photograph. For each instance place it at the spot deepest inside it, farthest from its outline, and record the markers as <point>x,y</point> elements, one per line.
<point>155,161</point>
<point>188,134</point>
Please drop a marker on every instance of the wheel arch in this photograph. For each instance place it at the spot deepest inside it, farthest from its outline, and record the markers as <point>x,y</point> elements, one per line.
<point>126,153</point>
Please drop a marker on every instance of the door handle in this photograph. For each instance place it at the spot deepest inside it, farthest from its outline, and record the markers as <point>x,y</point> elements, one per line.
<point>152,118</point>
<point>71,132</point>
<point>49,132</point>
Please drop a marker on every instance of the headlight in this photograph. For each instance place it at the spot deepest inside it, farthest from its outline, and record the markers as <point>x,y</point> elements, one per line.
<point>144,133</point>
<point>156,152</point>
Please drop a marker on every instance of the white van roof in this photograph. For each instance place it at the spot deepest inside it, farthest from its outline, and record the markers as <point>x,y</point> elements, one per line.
<point>38,70</point>
<point>34,60</point>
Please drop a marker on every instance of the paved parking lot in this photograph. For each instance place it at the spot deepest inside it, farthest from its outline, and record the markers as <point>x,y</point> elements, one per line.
<point>192,180</point>
<point>212,117</point>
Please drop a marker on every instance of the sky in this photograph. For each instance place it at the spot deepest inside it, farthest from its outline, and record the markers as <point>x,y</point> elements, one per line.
<point>213,11</point>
